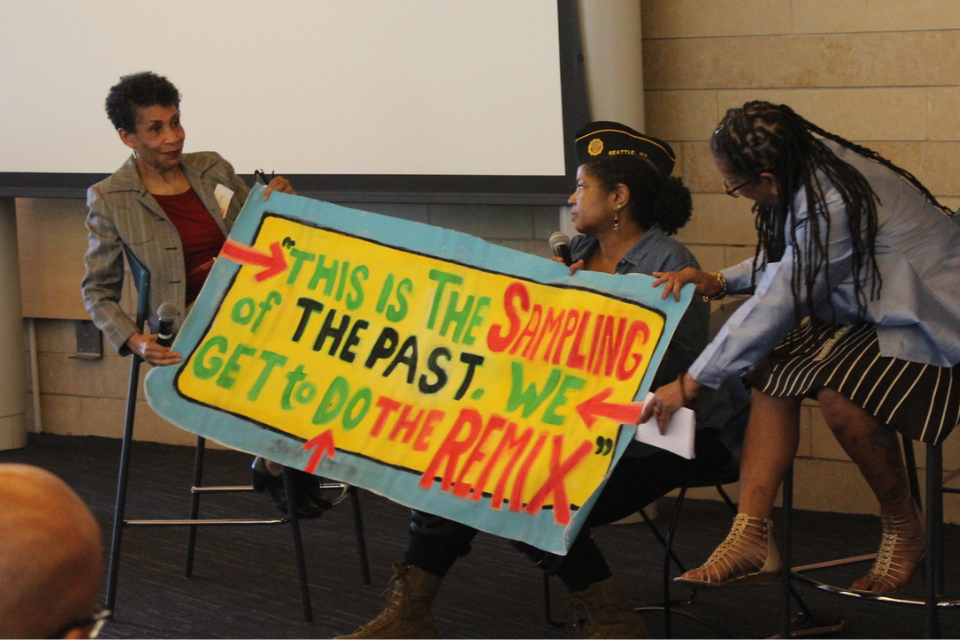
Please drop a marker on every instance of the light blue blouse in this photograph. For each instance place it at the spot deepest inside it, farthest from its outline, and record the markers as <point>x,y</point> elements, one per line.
<point>918,253</point>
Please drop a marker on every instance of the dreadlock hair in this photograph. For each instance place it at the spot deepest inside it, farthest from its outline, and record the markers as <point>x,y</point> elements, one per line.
<point>653,198</point>
<point>761,137</point>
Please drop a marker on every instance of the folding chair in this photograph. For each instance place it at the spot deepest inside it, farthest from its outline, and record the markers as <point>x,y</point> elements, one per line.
<point>142,278</point>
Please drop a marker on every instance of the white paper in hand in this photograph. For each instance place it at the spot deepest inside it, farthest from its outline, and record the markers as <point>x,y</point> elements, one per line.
<point>679,437</point>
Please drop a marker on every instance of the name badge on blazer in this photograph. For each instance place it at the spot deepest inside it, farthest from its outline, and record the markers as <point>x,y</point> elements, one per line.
<point>223,195</point>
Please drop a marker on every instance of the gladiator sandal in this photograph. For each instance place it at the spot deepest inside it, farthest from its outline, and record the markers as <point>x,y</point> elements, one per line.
<point>748,556</point>
<point>902,549</point>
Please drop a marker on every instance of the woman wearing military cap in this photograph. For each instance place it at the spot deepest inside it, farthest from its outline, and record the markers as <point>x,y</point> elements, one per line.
<point>626,206</point>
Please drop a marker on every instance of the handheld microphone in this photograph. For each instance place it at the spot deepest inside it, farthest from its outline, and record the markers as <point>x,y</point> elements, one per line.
<point>167,314</point>
<point>560,244</point>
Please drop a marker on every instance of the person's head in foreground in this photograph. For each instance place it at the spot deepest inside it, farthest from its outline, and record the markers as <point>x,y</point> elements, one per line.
<point>50,557</point>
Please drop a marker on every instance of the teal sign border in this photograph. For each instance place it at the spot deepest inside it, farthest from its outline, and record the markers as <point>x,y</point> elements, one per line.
<point>399,485</point>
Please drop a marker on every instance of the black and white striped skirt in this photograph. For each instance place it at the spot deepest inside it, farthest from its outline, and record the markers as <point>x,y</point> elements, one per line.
<point>921,401</point>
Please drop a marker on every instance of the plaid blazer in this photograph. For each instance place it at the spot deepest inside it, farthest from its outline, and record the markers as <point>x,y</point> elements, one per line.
<point>123,214</point>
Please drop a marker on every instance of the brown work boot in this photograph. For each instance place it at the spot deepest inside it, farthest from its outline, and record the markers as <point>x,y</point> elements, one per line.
<point>407,614</point>
<point>602,611</point>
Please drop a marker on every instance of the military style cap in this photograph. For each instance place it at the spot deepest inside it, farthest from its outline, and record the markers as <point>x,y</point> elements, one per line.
<point>613,139</point>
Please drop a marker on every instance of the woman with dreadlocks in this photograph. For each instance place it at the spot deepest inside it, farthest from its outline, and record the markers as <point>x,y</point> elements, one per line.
<point>855,304</point>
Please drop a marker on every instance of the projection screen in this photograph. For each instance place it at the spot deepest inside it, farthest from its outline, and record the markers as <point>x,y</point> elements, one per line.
<point>397,99</point>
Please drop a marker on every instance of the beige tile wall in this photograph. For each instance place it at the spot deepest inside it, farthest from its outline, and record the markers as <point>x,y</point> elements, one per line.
<point>880,72</point>
<point>51,239</point>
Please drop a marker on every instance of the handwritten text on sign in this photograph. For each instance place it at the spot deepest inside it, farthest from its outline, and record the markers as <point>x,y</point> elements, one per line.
<point>453,376</point>
<point>454,373</point>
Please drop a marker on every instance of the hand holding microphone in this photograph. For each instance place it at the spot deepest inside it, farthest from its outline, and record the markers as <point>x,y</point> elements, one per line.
<point>156,350</point>
<point>167,314</point>
<point>560,245</point>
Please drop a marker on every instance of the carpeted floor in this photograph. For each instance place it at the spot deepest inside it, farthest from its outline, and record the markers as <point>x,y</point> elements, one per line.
<point>245,584</point>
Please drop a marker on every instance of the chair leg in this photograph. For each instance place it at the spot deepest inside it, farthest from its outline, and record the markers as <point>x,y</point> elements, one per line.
<point>787,591</point>
<point>785,553</point>
<point>668,553</point>
<point>361,539</point>
<point>663,540</point>
<point>288,483</point>
<point>547,605</point>
<point>934,562</point>
<point>195,503</point>
<point>938,521</point>
<point>120,507</point>
<point>726,498</point>
<point>910,460</point>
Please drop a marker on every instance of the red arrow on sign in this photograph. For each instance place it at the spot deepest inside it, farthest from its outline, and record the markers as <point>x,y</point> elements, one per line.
<point>274,263</point>
<point>595,406</point>
<point>322,445</point>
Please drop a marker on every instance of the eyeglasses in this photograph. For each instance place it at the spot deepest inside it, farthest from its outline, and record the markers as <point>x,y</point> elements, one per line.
<point>94,623</point>
<point>732,191</point>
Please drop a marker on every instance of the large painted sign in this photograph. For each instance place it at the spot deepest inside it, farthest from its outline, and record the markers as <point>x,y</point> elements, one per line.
<point>448,374</point>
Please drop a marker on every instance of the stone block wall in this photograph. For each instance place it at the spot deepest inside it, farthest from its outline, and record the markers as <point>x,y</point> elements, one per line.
<point>879,72</point>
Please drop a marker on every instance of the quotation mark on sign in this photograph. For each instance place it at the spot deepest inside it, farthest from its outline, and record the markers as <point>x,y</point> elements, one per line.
<point>604,446</point>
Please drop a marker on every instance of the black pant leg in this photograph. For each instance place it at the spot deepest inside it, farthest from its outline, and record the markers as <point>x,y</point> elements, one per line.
<point>436,543</point>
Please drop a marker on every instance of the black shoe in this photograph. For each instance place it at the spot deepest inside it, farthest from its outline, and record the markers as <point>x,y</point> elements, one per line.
<point>308,487</point>
<point>263,480</point>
